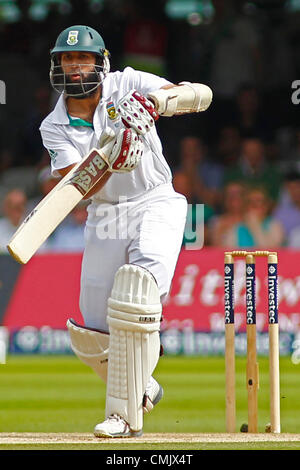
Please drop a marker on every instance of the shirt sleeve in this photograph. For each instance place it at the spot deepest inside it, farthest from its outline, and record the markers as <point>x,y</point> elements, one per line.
<point>61,150</point>
<point>144,82</point>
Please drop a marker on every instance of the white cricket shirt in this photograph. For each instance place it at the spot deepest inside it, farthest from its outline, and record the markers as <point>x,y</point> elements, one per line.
<point>68,143</point>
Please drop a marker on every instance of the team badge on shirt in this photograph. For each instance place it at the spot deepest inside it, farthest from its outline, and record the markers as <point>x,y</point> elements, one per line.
<point>111,111</point>
<point>72,38</point>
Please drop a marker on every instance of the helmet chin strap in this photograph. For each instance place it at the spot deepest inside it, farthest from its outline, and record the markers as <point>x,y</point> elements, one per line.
<point>106,63</point>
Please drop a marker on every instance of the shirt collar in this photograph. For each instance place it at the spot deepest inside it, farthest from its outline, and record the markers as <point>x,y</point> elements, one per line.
<point>59,114</point>
<point>77,122</point>
<point>109,87</point>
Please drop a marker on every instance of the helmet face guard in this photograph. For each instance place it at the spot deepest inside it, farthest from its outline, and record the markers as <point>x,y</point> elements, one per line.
<point>88,83</point>
<point>81,39</point>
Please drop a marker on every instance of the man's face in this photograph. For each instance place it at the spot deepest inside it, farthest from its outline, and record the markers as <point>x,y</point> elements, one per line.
<point>80,71</point>
<point>14,206</point>
<point>253,151</point>
<point>75,61</point>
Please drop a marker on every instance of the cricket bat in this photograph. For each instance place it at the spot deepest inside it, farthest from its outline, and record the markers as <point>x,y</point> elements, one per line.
<point>58,203</point>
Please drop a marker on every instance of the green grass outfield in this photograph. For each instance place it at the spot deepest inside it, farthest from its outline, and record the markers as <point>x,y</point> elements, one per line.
<point>54,394</point>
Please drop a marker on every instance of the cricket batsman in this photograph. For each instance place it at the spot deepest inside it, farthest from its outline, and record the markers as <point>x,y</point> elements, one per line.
<point>135,221</point>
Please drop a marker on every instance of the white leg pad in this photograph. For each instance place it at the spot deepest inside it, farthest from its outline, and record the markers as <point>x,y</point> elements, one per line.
<point>90,346</point>
<point>134,314</point>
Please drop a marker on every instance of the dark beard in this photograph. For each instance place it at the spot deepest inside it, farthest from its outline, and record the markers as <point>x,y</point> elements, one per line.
<point>82,90</point>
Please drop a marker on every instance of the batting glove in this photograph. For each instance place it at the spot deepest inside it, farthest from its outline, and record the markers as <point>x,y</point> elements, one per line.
<point>123,151</point>
<point>137,112</point>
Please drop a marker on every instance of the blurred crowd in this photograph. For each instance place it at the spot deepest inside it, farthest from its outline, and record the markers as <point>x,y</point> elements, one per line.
<point>240,159</point>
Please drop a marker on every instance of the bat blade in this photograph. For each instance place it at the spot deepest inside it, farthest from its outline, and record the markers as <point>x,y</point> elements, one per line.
<point>54,208</point>
<point>41,222</point>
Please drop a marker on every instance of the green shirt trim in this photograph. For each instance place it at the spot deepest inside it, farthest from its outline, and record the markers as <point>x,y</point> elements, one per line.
<point>76,122</point>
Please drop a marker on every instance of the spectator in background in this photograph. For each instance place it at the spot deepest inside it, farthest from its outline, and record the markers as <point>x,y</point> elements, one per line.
<point>234,47</point>
<point>46,182</point>
<point>291,156</point>
<point>14,208</point>
<point>205,176</point>
<point>69,235</point>
<point>228,146</point>
<point>287,211</point>
<point>6,159</point>
<point>253,168</point>
<point>279,48</point>
<point>30,148</point>
<point>182,185</point>
<point>145,37</point>
<point>250,117</point>
<point>258,229</point>
<point>222,226</point>
<point>198,215</point>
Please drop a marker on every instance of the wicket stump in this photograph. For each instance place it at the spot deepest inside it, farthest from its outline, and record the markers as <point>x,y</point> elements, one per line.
<point>252,364</point>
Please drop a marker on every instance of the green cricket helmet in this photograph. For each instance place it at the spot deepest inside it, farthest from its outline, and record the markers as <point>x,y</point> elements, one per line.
<point>81,39</point>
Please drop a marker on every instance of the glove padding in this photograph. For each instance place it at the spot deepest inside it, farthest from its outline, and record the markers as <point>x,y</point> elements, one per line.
<point>137,112</point>
<point>122,151</point>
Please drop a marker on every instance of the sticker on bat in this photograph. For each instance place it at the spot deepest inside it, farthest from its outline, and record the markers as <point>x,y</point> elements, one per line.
<point>89,173</point>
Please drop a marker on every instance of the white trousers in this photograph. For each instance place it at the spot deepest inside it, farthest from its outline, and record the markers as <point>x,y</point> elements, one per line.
<point>147,231</point>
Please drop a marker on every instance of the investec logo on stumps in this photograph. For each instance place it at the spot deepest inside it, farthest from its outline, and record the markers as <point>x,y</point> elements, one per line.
<point>250,294</point>
<point>272,294</point>
<point>228,294</point>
